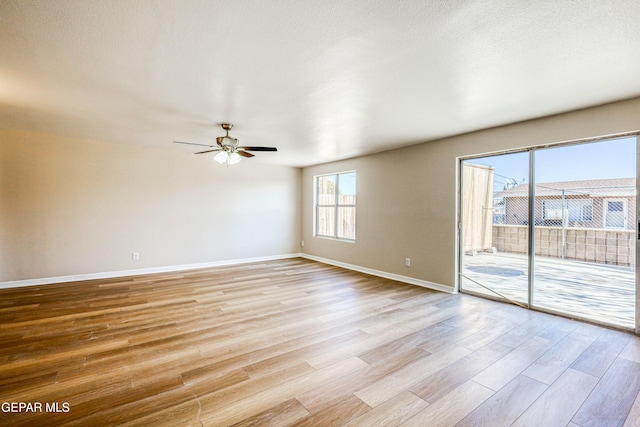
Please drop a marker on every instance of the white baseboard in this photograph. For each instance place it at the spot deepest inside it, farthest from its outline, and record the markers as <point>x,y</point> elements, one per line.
<point>392,276</point>
<point>183,267</point>
<point>140,271</point>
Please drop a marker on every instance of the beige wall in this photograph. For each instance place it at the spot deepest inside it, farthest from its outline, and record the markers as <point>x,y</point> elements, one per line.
<point>70,207</point>
<point>407,198</point>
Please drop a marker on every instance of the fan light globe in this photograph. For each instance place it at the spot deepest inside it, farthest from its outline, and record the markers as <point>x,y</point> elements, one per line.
<point>234,158</point>
<point>221,157</point>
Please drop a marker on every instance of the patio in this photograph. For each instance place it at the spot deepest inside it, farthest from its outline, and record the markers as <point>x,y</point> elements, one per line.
<point>599,292</point>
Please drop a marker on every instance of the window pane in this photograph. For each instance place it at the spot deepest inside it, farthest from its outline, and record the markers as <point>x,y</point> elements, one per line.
<point>335,205</point>
<point>326,221</point>
<point>327,190</point>
<point>615,206</point>
<point>347,190</point>
<point>347,223</point>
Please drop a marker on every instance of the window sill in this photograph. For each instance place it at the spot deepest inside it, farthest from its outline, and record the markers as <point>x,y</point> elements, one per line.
<point>335,239</point>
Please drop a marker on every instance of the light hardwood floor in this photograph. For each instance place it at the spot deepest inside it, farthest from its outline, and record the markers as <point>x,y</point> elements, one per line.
<point>295,342</point>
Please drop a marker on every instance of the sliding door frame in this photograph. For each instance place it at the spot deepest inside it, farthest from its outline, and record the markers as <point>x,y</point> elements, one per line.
<point>637,222</point>
<point>531,229</point>
<point>531,226</point>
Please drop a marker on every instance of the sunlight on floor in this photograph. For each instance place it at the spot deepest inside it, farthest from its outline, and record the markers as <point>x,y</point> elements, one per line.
<point>598,292</point>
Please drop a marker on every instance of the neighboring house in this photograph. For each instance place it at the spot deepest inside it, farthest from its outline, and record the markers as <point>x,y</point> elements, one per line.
<point>600,203</point>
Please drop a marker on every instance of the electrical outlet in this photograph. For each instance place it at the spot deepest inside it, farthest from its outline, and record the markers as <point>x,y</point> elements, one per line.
<point>302,243</point>
<point>135,256</point>
<point>407,262</point>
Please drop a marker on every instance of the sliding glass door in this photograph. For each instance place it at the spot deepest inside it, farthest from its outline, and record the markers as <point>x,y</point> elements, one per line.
<point>585,231</point>
<point>567,245</point>
<point>494,244</point>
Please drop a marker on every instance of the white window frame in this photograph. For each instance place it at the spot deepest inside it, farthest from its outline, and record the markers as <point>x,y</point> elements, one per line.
<point>336,206</point>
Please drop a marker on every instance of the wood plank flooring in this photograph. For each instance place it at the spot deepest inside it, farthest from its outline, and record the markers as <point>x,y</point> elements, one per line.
<point>296,342</point>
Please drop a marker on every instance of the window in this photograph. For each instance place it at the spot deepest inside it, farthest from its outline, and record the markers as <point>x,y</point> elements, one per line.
<point>571,210</point>
<point>336,206</point>
<point>587,213</point>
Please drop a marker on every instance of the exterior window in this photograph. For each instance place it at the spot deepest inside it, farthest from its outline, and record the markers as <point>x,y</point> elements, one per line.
<point>336,206</point>
<point>571,210</point>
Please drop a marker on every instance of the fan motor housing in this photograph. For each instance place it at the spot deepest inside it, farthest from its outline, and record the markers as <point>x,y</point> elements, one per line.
<point>227,141</point>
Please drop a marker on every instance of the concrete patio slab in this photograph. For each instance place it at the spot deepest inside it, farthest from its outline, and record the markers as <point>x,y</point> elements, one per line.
<point>598,292</point>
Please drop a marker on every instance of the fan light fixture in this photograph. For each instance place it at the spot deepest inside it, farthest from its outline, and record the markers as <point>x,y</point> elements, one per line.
<point>229,158</point>
<point>222,157</point>
<point>234,158</point>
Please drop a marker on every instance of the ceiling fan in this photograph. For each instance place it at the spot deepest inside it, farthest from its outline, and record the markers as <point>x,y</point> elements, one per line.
<point>228,148</point>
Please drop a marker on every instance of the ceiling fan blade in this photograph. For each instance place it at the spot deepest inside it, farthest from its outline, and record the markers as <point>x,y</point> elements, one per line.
<point>244,153</point>
<point>259,148</point>
<point>208,151</point>
<point>193,143</point>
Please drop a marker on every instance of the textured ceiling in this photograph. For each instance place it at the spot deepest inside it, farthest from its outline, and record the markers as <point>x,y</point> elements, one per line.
<point>321,80</point>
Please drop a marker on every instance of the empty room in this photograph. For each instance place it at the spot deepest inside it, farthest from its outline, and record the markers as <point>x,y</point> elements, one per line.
<point>333,213</point>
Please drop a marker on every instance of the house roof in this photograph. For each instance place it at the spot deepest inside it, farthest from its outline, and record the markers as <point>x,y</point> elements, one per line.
<point>616,187</point>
